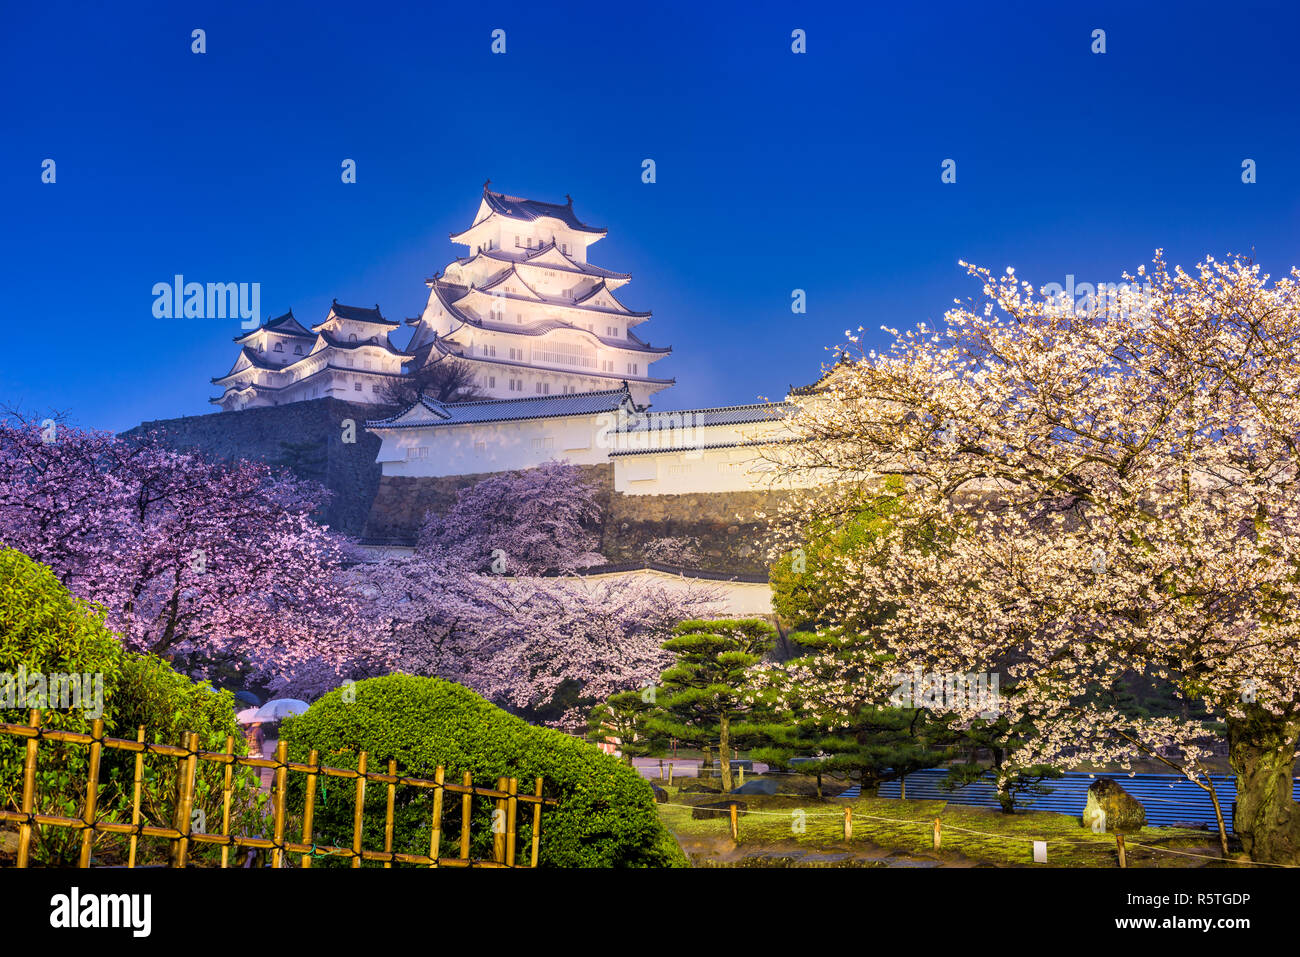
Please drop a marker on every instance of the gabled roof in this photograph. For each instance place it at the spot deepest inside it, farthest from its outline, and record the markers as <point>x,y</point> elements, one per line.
<point>528,210</point>
<point>337,343</point>
<point>579,302</point>
<point>586,268</point>
<point>254,360</point>
<point>633,342</point>
<point>357,314</point>
<point>429,412</point>
<point>285,325</point>
<point>531,257</point>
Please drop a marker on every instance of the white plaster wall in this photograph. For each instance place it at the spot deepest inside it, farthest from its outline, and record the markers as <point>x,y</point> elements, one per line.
<point>495,447</point>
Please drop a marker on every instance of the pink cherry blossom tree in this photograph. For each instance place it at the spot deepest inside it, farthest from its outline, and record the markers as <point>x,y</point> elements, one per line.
<point>529,635</point>
<point>1094,496</point>
<point>535,521</point>
<point>186,555</point>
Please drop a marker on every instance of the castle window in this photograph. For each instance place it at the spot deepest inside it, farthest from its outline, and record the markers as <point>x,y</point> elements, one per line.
<point>516,242</point>
<point>261,347</point>
<point>297,350</point>
<point>492,382</point>
<point>634,368</point>
<point>356,387</point>
<point>279,347</point>
<point>544,444</point>
<point>352,338</point>
<point>565,248</point>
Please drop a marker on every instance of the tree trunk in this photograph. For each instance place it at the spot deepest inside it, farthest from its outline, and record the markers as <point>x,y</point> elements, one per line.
<point>1261,750</point>
<point>724,752</point>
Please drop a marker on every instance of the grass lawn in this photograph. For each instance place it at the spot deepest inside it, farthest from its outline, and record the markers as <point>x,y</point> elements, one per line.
<point>905,835</point>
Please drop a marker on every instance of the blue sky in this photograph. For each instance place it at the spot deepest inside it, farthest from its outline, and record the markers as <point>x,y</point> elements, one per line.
<point>775,171</point>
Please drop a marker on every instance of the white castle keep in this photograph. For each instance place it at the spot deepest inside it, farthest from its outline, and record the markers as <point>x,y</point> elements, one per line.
<point>553,355</point>
<point>524,309</point>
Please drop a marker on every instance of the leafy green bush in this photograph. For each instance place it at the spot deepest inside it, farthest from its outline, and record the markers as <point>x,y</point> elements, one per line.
<point>45,630</point>
<point>606,815</point>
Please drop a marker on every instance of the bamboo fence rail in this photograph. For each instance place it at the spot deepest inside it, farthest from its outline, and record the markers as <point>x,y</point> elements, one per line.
<point>506,797</point>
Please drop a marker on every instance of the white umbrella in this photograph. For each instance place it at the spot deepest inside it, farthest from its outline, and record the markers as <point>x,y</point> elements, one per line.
<point>247,716</point>
<point>281,708</point>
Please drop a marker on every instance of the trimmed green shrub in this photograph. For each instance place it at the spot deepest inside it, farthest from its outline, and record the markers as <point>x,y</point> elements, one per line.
<point>606,815</point>
<point>46,630</point>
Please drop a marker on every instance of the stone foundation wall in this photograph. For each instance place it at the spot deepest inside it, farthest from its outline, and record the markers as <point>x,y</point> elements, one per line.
<point>304,437</point>
<point>726,524</point>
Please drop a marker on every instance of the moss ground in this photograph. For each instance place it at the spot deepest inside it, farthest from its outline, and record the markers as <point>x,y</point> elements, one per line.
<point>892,831</point>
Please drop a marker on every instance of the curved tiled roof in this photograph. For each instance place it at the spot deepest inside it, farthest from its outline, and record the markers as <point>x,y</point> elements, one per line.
<point>517,207</point>
<point>575,303</point>
<point>336,343</point>
<point>358,314</point>
<point>285,325</point>
<point>525,256</point>
<point>446,290</point>
<point>479,411</point>
<point>717,416</point>
<point>441,345</point>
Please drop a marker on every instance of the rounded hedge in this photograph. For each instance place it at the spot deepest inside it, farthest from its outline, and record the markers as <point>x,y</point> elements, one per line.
<point>606,815</point>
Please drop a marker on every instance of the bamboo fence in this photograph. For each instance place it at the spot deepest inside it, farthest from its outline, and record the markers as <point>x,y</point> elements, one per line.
<point>506,797</point>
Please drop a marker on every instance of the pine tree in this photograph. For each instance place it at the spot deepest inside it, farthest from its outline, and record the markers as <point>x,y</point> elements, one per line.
<point>874,745</point>
<point>626,716</point>
<point>706,691</point>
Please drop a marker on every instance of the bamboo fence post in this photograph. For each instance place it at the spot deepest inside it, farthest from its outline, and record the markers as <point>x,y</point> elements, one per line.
<point>670,774</point>
<point>29,790</point>
<point>466,806</point>
<point>735,827</point>
<point>388,812</point>
<point>435,839</point>
<point>661,770</point>
<point>537,821</point>
<point>1119,846</point>
<point>137,781</point>
<point>740,769</point>
<point>512,819</point>
<point>309,805</point>
<point>227,784</point>
<point>92,791</point>
<point>848,823</point>
<point>498,825</point>
<point>185,799</point>
<point>360,809</point>
<point>281,779</point>
<point>938,835</point>
<point>902,788</point>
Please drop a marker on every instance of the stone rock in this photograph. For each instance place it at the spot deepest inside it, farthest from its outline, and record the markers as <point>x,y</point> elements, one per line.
<point>699,789</point>
<point>1111,808</point>
<point>716,809</point>
<point>661,796</point>
<point>757,786</point>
